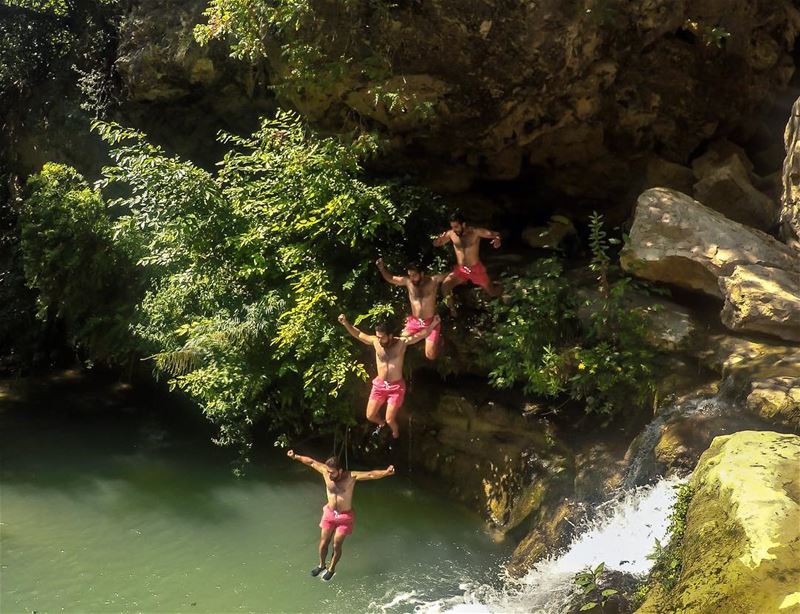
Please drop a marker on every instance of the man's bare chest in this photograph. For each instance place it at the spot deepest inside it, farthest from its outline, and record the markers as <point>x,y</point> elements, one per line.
<point>465,242</point>
<point>421,292</point>
<point>388,354</point>
<point>340,488</point>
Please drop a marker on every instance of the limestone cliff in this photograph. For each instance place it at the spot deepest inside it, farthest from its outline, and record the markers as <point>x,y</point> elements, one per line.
<point>741,546</point>
<point>585,89</point>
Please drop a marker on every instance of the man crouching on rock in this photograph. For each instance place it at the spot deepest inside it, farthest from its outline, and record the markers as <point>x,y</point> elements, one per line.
<point>338,515</point>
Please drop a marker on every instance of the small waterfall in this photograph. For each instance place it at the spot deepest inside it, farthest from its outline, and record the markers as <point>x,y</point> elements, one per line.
<point>621,534</point>
<point>641,465</point>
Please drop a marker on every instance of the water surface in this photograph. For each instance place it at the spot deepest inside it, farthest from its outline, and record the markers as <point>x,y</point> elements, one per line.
<point>110,504</point>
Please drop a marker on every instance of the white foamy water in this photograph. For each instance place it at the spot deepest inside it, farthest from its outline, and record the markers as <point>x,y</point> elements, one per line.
<point>621,534</point>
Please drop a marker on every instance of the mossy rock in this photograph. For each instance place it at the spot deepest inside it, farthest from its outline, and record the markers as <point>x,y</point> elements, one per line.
<point>741,549</point>
<point>777,400</point>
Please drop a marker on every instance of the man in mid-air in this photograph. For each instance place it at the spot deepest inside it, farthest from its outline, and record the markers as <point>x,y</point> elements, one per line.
<point>422,291</point>
<point>466,242</point>
<point>338,515</point>
<point>389,386</point>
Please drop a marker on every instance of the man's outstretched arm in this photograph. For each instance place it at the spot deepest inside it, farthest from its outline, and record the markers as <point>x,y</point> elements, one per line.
<point>392,279</point>
<point>442,239</point>
<point>417,337</point>
<point>306,460</point>
<point>362,337</point>
<point>375,474</point>
<point>490,234</point>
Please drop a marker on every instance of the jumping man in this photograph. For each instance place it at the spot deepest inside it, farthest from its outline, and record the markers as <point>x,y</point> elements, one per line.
<point>422,291</point>
<point>466,243</point>
<point>388,387</point>
<point>338,515</point>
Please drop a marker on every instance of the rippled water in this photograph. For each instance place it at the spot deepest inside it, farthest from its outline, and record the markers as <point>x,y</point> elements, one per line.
<point>621,535</point>
<point>104,510</point>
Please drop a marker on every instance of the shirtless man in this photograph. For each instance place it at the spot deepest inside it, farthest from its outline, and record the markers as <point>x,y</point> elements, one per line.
<point>388,387</point>
<point>338,514</point>
<point>466,243</point>
<point>422,291</point>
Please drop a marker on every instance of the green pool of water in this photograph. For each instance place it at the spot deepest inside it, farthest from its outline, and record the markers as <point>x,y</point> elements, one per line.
<point>111,511</point>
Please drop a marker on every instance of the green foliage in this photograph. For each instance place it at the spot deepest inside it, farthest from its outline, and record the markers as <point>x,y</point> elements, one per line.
<point>314,46</point>
<point>709,35</point>
<point>34,35</point>
<point>70,259</point>
<point>590,346</point>
<point>588,582</point>
<point>247,269</point>
<point>41,37</point>
<point>669,559</point>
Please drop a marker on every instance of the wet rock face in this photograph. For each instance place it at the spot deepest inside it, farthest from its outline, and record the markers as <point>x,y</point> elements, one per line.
<point>742,537</point>
<point>777,399</point>
<point>581,88</point>
<point>491,458</point>
<point>762,299</point>
<point>790,212</point>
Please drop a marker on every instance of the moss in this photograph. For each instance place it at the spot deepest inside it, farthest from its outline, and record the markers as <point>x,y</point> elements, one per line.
<point>740,550</point>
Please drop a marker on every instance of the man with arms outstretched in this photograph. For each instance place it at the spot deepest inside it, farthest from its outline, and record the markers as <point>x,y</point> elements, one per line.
<point>466,242</point>
<point>388,387</point>
<point>338,515</point>
<point>422,291</point>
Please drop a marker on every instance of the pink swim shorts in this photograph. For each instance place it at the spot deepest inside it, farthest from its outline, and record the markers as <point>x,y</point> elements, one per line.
<point>415,325</point>
<point>340,522</point>
<point>475,273</point>
<point>393,392</point>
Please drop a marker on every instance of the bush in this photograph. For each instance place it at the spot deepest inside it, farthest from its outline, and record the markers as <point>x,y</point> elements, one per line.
<point>243,271</point>
<point>70,258</point>
<point>554,342</point>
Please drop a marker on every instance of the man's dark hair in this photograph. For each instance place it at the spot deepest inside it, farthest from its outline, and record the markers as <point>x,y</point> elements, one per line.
<point>416,266</point>
<point>385,326</point>
<point>457,216</point>
<point>333,463</point>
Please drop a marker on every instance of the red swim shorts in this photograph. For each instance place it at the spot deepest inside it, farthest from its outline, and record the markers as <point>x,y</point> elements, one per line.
<point>393,392</point>
<point>340,522</point>
<point>475,273</point>
<point>415,325</point>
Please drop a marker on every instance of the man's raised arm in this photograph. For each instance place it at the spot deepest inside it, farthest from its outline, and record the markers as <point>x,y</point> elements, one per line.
<point>306,460</point>
<point>375,474</point>
<point>442,239</point>
<point>417,337</point>
<point>483,233</point>
<point>392,279</point>
<point>362,337</point>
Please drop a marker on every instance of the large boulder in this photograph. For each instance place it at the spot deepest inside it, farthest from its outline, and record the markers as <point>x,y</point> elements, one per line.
<point>741,545</point>
<point>677,240</point>
<point>727,188</point>
<point>777,400</point>
<point>747,359</point>
<point>716,155</point>
<point>762,299</point>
